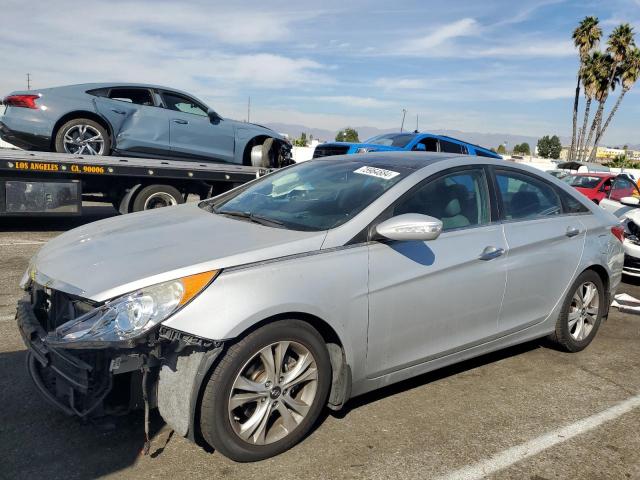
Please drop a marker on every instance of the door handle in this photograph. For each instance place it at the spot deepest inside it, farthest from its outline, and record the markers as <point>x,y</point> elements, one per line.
<point>181,122</point>
<point>119,112</point>
<point>489,253</point>
<point>572,232</point>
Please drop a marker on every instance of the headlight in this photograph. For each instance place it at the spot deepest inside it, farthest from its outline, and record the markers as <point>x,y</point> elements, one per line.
<point>130,315</point>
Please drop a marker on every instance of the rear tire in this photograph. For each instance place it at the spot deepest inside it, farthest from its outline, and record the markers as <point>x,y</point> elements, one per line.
<point>581,314</point>
<point>75,135</point>
<point>280,412</point>
<point>156,196</point>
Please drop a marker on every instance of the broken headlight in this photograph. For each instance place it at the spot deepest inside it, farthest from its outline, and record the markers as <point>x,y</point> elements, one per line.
<point>133,314</point>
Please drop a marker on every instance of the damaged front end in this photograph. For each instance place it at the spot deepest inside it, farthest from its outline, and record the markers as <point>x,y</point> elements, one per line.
<point>631,245</point>
<point>94,360</point>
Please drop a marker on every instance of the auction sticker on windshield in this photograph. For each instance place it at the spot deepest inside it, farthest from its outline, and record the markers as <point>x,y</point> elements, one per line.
<point>377,172</point>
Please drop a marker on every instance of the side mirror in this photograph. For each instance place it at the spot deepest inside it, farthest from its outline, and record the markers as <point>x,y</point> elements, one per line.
<point>606,188</point>
<point>213,116</point>
<point>410,226</point>
<point>630,201</point>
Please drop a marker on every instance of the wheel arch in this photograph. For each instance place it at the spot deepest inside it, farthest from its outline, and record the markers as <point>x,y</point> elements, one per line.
<point>80,114</point>
<point>252,142</point>
<point>604,276</point>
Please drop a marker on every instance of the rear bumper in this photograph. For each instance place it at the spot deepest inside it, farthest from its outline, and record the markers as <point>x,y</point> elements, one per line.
<point>24,140</point>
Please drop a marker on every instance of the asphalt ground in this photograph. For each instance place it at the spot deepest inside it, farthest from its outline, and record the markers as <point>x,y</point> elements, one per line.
<point>529,412</point>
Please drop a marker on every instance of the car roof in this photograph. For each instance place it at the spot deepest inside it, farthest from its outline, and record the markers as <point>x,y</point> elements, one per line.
<point>397,159</point>
<point>93,86</point>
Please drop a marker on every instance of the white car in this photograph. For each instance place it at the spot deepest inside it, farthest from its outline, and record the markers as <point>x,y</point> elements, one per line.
<point>626,208</point>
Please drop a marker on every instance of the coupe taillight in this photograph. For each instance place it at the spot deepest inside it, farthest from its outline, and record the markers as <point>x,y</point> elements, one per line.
<point>23,101</point>
<point>618,232</point>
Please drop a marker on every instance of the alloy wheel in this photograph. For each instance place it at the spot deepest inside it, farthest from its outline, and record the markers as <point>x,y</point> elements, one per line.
<point>583,312</point>
<point>273,393</point>
<point>83,139</point>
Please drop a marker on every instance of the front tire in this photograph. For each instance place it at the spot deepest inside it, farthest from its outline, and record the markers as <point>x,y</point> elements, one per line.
<point>581,314</point>
<point>267,391</point>
<point>81,136</point>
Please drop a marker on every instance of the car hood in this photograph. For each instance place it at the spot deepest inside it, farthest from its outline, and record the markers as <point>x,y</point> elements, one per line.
<point>111,257</point>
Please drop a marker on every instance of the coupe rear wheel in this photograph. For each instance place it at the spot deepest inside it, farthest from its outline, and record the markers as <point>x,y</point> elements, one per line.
<point>581,313</point>
<point>266,392</point>
<point>82,136</point>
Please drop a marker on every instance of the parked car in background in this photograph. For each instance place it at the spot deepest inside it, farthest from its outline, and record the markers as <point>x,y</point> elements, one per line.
<point>312,285</point>
<point>421,142</point>
<point>624,202</point>
<point>595,186</point>
<point>134,120</point>
<point>559,174</point>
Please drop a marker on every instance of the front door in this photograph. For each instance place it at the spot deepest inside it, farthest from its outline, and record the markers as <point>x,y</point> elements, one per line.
<point>194,134</point>
<point>427,299</point>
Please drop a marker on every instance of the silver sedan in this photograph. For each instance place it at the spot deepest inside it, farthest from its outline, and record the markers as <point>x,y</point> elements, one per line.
<point>241,317</point>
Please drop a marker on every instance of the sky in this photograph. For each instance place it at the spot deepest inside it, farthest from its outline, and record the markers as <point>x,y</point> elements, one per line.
<point>498,66</point>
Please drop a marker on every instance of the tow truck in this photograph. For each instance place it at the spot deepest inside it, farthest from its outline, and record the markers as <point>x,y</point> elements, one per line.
<point>50,184</point>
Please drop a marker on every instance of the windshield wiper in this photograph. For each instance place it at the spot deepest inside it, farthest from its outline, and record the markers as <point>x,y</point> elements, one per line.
<point>252,218</point>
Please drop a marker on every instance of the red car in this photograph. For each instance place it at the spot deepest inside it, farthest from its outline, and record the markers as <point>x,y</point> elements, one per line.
<point>597,186</point>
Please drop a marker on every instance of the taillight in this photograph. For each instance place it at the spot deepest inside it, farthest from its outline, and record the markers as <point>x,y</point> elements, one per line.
<point>24,101</point>
<point>618,232</point>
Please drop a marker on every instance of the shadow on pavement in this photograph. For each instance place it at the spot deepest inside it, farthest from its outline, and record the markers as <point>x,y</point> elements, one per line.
<point>90,213</point>
<point>38,441</point>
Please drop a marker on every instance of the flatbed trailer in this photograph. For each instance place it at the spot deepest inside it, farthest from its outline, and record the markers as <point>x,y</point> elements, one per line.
<point>46,184</point>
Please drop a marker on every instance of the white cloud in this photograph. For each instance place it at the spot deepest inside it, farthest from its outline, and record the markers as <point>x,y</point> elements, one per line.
<point>400,83</point>
<point>529,48</point>
<point>438,36</point>
<point>354,101</point>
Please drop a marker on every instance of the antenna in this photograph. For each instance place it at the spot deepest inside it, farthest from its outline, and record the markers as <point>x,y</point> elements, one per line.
<point>417,121</point>
<point>404,113</point>
<point>249,110</point>
<point>28,81</point>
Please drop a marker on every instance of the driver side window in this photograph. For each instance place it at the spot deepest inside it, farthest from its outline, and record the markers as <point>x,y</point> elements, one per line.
<point>179,103</point>
<point>459,199</point>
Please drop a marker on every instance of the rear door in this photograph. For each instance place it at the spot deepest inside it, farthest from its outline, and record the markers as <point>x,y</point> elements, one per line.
<point>193,133</point>
<point>545,245</point>
<point>138,123</point>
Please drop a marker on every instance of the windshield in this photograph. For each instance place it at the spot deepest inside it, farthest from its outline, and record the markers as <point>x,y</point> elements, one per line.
<point>585,181</point>
<point>311,196</point>
<point>392,139</point>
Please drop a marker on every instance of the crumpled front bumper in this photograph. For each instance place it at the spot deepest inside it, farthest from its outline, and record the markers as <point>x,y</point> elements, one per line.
<point>75,381</point>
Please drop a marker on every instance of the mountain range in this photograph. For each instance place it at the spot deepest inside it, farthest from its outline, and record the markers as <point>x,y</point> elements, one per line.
<point>488,140</point>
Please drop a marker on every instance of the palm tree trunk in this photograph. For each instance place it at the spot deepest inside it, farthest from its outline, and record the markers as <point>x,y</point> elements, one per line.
<point>583,131</point>
<point>611,114</point>
<point>594,126</point>
<point>575,120</point>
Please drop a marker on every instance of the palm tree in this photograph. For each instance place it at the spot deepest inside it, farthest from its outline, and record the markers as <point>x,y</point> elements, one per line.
<point>589,75</point>
<point>619,44</point>
<point>585,37</point>
<point>599,74</point>
<point>629,72</point>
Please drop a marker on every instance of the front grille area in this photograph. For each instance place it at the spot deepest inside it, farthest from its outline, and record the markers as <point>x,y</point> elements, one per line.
<point>54,308</point>
<point>327,150</point>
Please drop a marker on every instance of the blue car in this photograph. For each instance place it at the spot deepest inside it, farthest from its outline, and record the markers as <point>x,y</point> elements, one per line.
<point>134,120</point>
<point>422,142</point>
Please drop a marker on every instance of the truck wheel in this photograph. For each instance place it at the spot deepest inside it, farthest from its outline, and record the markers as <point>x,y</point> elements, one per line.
<point>82,136</point>
<point>156,196</point>
<point>267,391</point>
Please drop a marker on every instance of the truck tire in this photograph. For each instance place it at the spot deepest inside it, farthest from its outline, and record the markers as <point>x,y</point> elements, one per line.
<point>82,136</point>
<point>156,196</point>
<point>287,364</point>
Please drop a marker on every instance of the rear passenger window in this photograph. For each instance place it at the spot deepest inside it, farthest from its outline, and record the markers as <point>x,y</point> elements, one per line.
<point>450,147</point>
<point>459,199</point>
<point>526,197</point>
<point>132,95</point>
<point>571,204</point>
